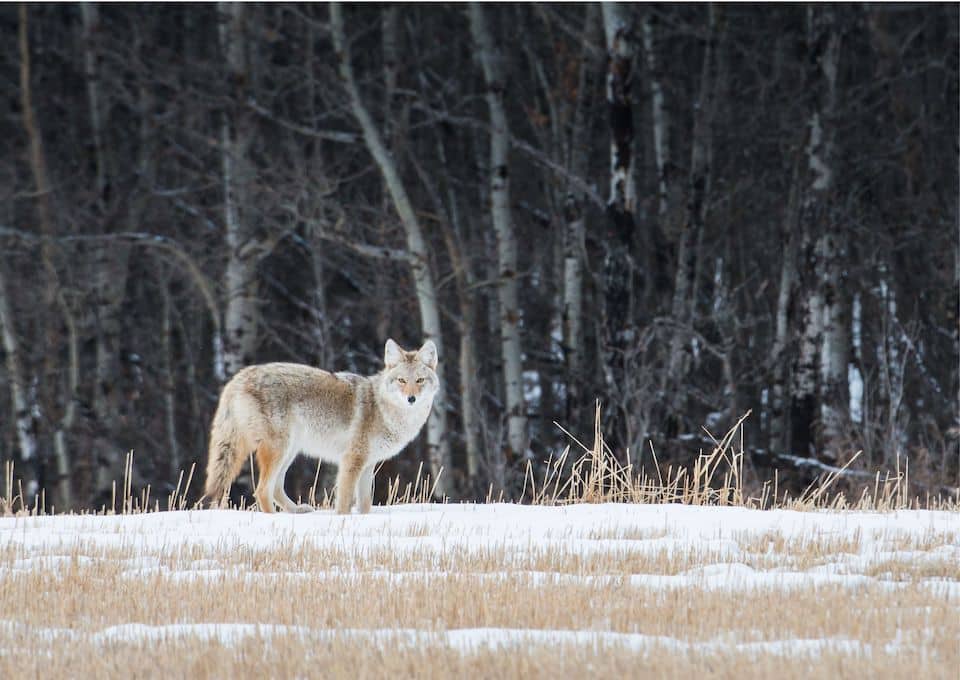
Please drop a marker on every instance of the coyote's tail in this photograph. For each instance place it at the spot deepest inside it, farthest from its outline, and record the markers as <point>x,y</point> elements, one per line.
<point>226,455</point>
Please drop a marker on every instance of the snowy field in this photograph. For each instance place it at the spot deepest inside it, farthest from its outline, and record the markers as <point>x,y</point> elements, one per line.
<point>483,591</point>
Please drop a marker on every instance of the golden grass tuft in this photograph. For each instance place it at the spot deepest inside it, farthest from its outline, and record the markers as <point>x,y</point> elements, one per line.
<point>716,478</point>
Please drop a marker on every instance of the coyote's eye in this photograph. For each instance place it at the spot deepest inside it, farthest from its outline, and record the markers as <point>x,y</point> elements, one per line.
<point>419,381</point>
<point>401,381</point>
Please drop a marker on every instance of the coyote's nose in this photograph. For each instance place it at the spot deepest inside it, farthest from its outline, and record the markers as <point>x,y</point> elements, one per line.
<point>411,399</point>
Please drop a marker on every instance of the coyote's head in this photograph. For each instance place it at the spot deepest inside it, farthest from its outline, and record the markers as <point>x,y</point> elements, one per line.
<point>410,378</point>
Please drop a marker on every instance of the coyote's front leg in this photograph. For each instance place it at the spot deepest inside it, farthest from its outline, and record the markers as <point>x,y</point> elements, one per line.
<point>365,490</point>
<point>350,468</point>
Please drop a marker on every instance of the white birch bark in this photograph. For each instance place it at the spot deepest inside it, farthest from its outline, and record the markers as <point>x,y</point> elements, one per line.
<point>620,48</point>
<point>437,444</point>
<point>804,388</point>
<point>574,247</point>
<point>834,350</point>
<point>618,266</point>
<point>23,405</point>
<point>240,316</point>
<point>491,61</point>
<point>821,373</point>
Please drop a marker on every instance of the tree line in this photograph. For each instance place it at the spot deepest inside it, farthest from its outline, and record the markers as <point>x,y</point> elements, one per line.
<point>684,212</point>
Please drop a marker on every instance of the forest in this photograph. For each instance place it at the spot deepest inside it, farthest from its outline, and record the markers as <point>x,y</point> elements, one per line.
<point>683,213</point>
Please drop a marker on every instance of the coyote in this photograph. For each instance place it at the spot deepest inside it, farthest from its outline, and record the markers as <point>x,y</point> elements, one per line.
<point>279,410</point>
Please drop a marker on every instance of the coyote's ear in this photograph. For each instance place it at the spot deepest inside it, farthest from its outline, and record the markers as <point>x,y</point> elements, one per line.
<point>428,354</point>
<point>392,354</point>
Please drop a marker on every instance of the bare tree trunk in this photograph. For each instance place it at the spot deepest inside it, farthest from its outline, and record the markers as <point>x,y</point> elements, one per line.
<point>90,15</point>
<point>573,256</point>
<point>321,322</point>
<point>661,120</point>
<point>790,237</point>
<point>469,370</point>
<point>169,384</point>
<point>320,326</point>
<point>620,46</point>
<point>390,40</point>
<point>24,406</point>
<point>240,317</point>
<point>835,348</point>
<point>465,280</point>
<point>109,273</point>
<point>437,444</point>
<point>55,295</point>
<point>470,393</point>
<point>803,410</point>
<point>618,263</point>
<point>491,59</point>
<point>684,294</point>
<point>65,426</point>
<point>822,301</point>
<point>574,246</point>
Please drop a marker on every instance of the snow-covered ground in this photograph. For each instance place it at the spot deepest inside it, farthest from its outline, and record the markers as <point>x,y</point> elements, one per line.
<point>642,551</point>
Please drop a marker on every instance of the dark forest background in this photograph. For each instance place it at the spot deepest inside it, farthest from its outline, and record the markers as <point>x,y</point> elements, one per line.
<point>683,211</point>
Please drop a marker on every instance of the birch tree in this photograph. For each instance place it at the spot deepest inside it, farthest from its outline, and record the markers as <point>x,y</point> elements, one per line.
<point>790,237</point>
<point>22,398</point>
<point>491,62</point>
<point>822,358</point>
<point>617,25</point>
<point>437,444</point>
<point>240,279</point>
<point>55,296</point>
<point>659,113</point>
<point>621,205</point>
<point>465,281</point>
<point>575,216</point>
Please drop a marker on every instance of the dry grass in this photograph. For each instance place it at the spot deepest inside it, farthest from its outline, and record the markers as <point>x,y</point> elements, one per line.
<point>59,604</point>
<point>347,658</point>
<point>597,475</point>
<point>399,607</point>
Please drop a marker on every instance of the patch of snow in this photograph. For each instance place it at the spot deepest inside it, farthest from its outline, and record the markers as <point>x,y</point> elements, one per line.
<point>465,640</point>
<point>721,540</point>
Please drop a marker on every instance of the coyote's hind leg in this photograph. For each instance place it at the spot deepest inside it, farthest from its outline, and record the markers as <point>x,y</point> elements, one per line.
<point>280,494</point>
<point>269,464</point>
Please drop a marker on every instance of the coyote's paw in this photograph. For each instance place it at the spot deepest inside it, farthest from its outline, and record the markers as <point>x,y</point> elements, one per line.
<point>302,508</point>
